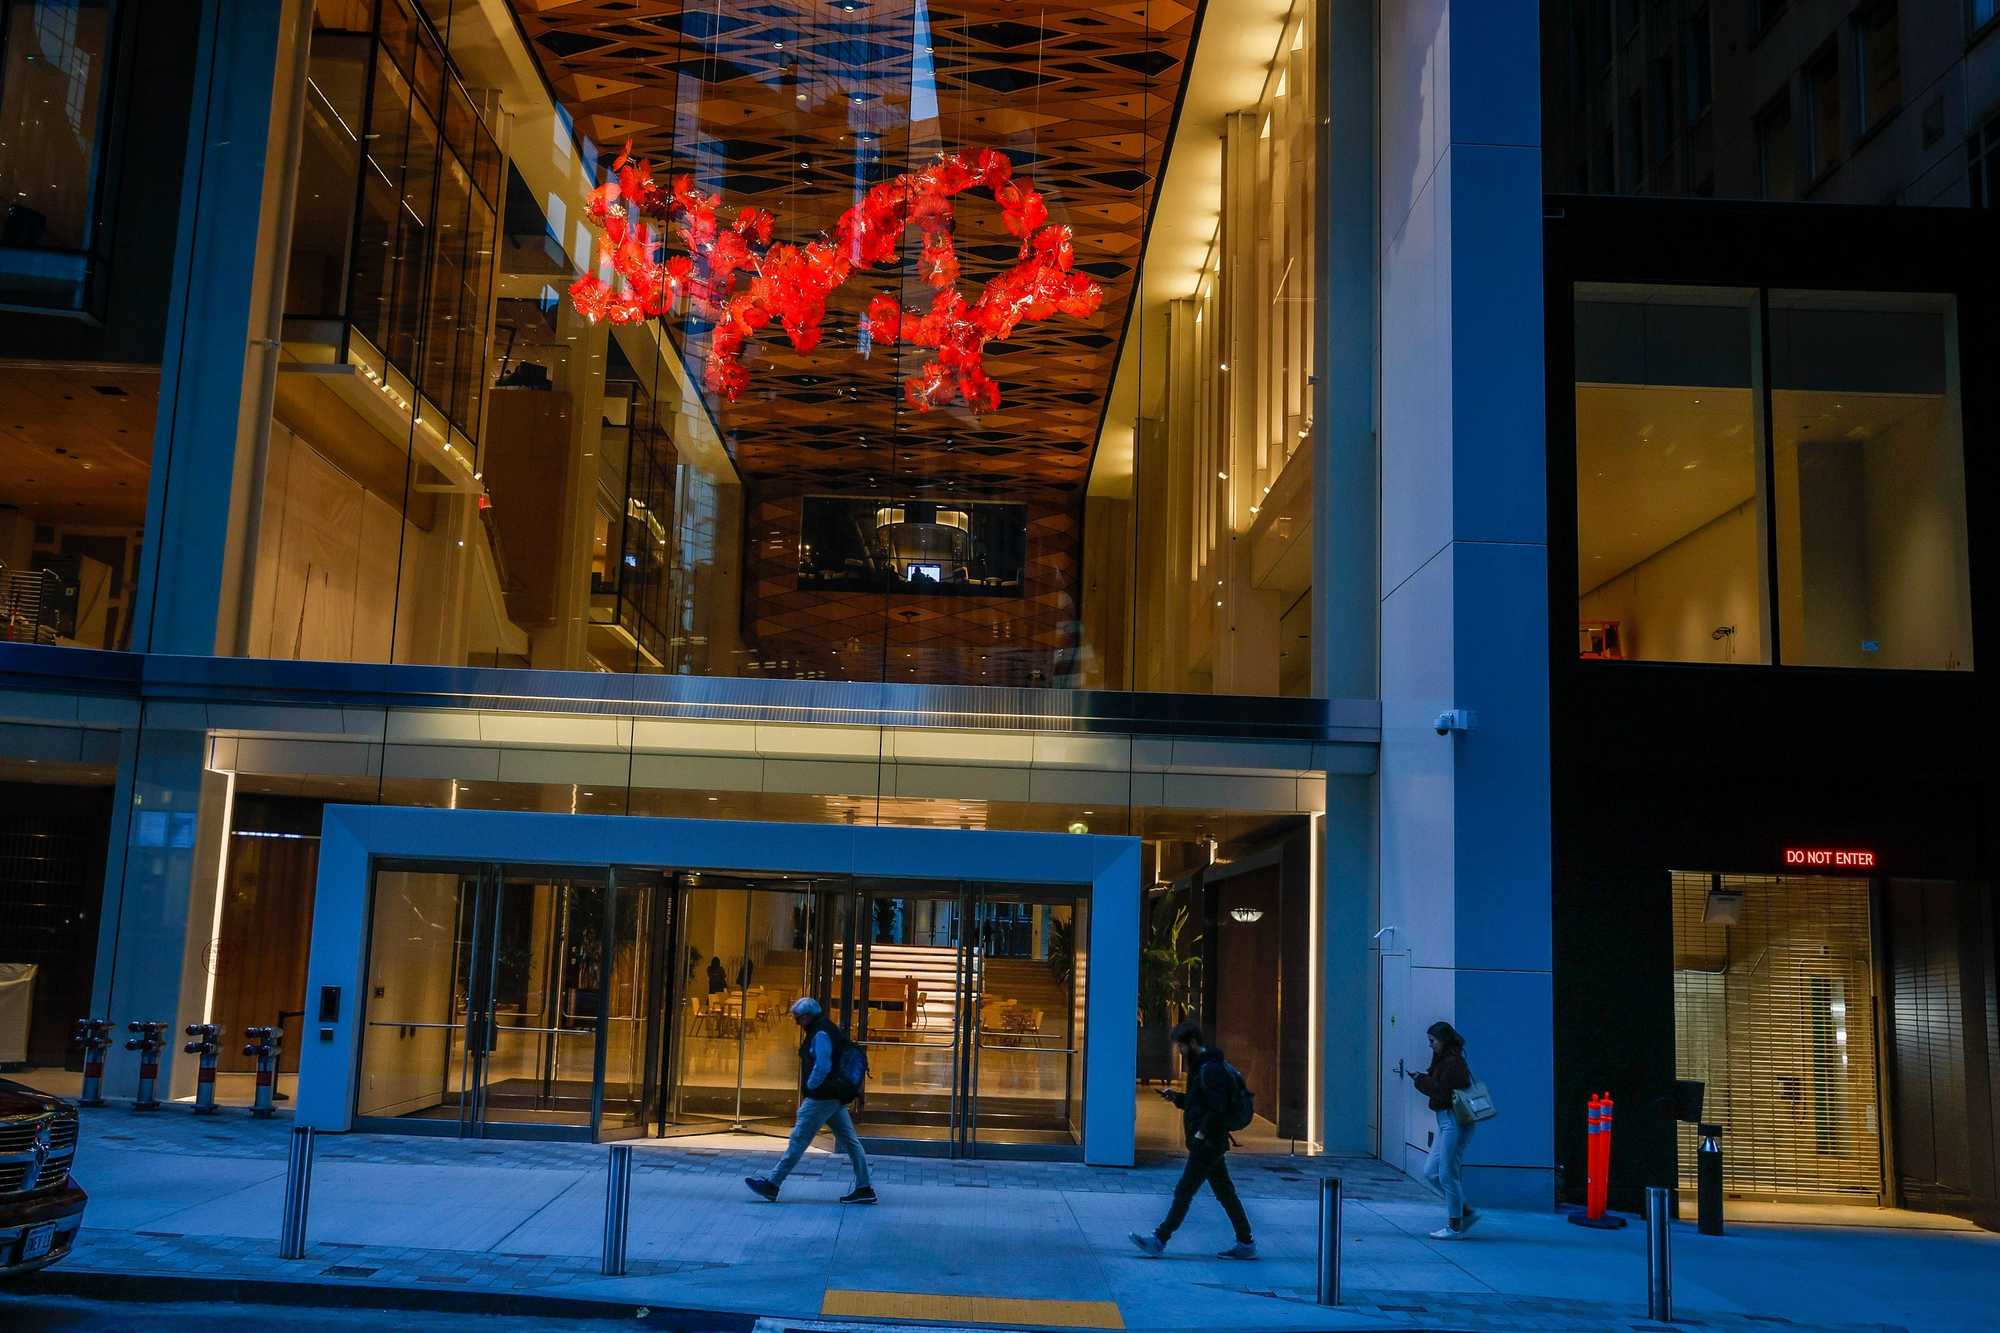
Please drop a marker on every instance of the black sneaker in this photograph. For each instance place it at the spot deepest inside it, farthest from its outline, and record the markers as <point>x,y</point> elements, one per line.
<point>861,1194</point>
<point>762,1188</point>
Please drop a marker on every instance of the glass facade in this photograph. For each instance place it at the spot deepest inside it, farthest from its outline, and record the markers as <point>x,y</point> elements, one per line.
<point>1770,477</point>
<point>55,77</point>
<point>1001,375</point>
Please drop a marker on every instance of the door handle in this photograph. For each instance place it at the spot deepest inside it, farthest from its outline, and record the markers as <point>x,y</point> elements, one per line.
<point>1400,1071</point>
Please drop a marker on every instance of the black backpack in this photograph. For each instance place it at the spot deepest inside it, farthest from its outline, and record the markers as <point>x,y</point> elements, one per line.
<point>844,1081</point>
<point>1238,1106</point>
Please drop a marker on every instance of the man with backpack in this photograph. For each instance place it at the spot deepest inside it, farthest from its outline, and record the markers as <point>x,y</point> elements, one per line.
<point>831,1072</point>
<point>1216,1101</point>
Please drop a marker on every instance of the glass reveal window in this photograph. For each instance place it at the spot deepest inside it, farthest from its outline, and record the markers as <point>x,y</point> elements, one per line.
<point>1870,482</point>
<point>1670,511</point>
<point>1878,53</point>
<point>53,59</point>
<point>1851,523</point>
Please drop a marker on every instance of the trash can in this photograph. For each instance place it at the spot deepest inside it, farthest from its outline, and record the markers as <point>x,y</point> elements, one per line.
<point>17,1012</point>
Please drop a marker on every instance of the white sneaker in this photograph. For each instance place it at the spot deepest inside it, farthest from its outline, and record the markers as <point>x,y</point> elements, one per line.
<point>1446,1233</point>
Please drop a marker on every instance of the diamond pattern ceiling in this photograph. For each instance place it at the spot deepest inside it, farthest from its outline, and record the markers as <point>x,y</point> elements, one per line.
<point>798,109</point>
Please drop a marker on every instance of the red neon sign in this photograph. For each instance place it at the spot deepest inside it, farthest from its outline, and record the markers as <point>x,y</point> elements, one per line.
<point>1834,857</point>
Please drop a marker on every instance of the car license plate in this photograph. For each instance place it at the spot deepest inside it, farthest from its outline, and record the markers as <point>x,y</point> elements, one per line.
<point>38,1241</point>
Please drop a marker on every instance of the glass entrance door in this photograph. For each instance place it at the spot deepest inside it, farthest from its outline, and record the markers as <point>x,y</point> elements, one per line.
<point>535,942</point>
<point>898,965</point>
<point>969,999</point>
<point>510,998</point>
<point>744,947</point>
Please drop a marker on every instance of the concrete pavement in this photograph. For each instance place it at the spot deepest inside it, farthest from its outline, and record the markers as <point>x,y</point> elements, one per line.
<point>174,1194</point>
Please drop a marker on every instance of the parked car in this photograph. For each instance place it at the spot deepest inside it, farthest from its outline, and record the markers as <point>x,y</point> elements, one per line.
<point>41,1207</point>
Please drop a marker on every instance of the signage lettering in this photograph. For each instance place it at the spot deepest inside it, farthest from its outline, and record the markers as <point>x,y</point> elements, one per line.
<point>1830,857</point>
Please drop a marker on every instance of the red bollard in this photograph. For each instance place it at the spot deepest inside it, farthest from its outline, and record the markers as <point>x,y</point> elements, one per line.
<point>94,1035</point>
<point>148,1040</point>
<point>1594,1177</point>
<point>1604,1157</point>
<point>1597,1167</point>
<point>206,1045</point>
<point>264,1044</point>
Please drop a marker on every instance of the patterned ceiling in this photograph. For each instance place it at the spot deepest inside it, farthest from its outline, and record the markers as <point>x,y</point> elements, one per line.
<point>798,108</point>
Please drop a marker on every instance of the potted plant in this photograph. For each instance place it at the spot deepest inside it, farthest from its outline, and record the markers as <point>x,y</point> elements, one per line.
<point>1167,958</point>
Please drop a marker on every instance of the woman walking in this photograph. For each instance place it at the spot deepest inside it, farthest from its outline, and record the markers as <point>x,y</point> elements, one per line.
<point>1443,1172</point>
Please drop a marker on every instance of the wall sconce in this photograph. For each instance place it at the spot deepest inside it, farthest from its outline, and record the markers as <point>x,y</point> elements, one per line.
<point>1247,915</point>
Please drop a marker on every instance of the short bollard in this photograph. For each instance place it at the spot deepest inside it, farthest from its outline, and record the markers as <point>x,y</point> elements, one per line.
<point>1329,1241</point>
<point>617,1208</point>
<point>205,1044</point>
<point>264,1045</point>
<point>148,1039</point>
<point>94,1035</point>
<point>1708,1180</point>
<point>298,1194</point>
<point>1659,1255</point>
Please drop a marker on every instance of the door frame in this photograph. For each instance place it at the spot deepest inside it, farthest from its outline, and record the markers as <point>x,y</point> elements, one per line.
<point>1104,868</point>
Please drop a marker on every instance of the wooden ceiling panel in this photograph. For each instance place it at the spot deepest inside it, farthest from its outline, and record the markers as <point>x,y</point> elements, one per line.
<point>76,441</point>
<point>798,108</point>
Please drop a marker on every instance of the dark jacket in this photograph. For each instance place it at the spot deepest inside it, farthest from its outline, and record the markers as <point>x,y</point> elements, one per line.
<point>1204,1102</point>
<point>1447,1074</point>
<point>836,1042</point>
<point>718,980</point>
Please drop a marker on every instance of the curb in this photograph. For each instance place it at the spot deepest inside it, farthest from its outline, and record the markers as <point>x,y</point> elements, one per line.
<point>157,1289</point>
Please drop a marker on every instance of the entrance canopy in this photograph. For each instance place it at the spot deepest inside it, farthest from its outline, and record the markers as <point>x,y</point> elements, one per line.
<point>1102,869</point>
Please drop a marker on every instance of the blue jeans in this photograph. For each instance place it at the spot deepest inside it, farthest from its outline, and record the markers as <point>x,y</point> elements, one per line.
<point>1443,1171</point>
<point>813,1113</point>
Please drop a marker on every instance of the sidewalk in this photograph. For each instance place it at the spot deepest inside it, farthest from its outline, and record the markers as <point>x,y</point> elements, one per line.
<point>173,1194</point>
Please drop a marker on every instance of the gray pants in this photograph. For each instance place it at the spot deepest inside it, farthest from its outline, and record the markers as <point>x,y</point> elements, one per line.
<point>813,1113</point>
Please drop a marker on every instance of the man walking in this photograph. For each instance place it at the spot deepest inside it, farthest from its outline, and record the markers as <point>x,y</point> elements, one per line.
<point>824,1094</point>
<point>1205,1108</point>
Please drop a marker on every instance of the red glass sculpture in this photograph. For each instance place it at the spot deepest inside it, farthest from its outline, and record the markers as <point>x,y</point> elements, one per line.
<point>737,279</point>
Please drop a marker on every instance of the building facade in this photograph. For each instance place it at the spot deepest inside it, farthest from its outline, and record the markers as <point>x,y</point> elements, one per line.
<point>595,518</point>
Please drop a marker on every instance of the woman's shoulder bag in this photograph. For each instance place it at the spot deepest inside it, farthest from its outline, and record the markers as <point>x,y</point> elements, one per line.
<point>1470,1105</point>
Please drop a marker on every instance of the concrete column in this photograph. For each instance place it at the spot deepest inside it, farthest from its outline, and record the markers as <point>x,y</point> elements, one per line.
<point>1343,398</point>
<point>149,875</point>
<point>1346,1002</point>
<point>1465,860</point>
<point>220,340</point>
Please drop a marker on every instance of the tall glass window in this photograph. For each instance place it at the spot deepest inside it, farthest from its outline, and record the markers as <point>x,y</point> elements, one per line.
<point>1670,476</point>
<point>1869,464</point>
<point>1842,543</point>
<point>905,343</point>
<point>55,59</point>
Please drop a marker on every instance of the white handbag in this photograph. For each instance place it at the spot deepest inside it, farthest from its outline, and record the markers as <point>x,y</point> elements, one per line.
<point>1474,1104</point>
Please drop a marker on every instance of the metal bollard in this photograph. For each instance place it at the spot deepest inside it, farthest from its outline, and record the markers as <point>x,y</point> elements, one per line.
<point>1659,1255</point>
<point>94,1035</point>
<point>265,1044</point>
<point>617,1208</point>
<point>206,1036</point>
<point>1329,1241</point>
<point>298,1194</point>
<point>148,1040</point>
<point>1708,1180</point>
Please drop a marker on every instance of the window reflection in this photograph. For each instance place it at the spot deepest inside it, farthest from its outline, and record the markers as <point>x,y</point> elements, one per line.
<point>54,58</point>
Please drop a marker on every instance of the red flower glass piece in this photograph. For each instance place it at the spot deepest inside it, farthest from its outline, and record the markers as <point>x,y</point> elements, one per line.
<point>790,284</point>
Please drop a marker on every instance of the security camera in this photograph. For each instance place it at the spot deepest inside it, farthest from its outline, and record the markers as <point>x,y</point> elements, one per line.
<point>1457,719</point>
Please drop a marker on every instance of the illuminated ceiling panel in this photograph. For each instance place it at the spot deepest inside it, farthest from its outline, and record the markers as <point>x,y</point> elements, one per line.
<point>798,109</point>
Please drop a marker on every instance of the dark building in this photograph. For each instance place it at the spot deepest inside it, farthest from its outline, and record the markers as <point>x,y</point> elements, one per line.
<point>1772,333</point>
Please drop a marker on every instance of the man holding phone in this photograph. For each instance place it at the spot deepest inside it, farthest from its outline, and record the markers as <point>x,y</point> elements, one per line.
<point>1212,1086</point>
